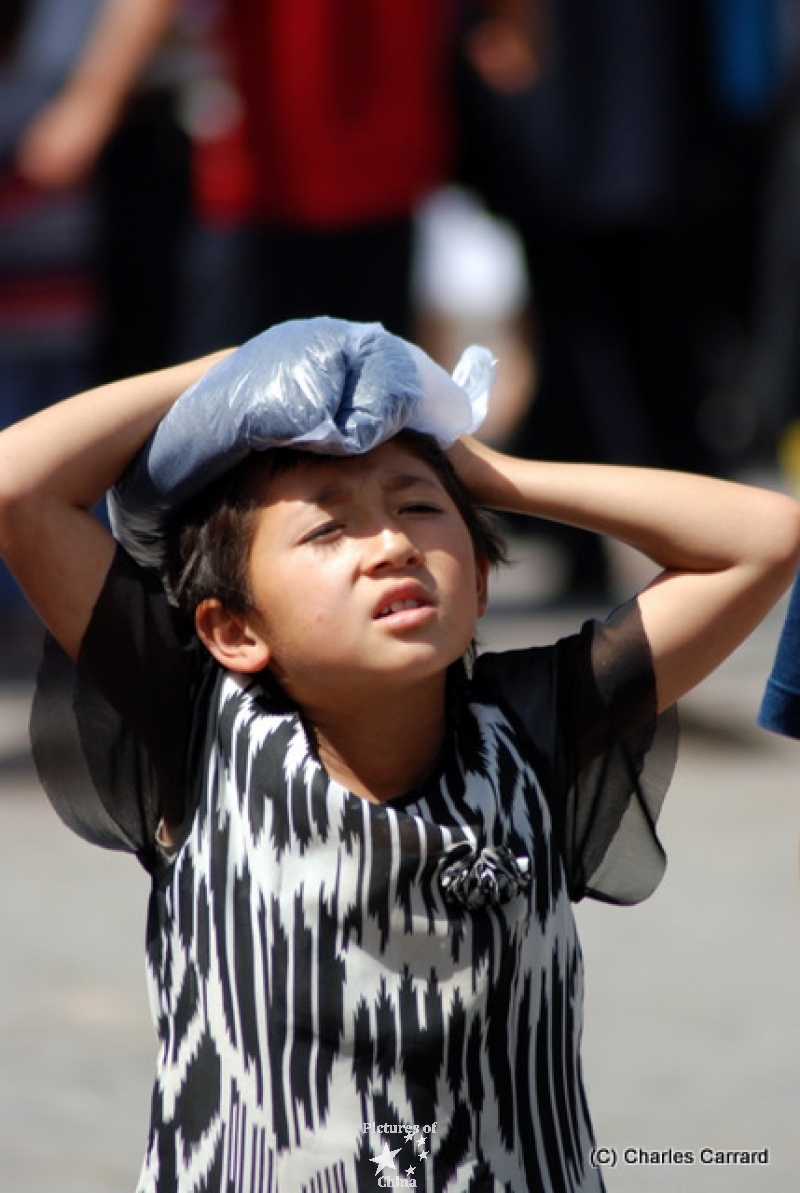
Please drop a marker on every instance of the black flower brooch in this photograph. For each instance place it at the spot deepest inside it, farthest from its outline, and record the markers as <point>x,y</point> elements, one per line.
<point>486,877</point>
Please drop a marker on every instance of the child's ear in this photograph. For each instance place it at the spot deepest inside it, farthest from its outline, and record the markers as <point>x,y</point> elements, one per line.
<point>231,637</point>
<point>482,576</point>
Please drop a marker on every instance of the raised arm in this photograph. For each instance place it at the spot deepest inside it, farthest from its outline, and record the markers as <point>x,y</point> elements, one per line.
<point>728,551</point>
<point>54,468</point>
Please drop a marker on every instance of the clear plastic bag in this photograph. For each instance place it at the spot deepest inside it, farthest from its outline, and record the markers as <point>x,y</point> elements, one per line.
<point>323,385</point>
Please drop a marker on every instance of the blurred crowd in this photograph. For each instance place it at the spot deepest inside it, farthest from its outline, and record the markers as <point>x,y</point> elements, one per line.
<point>607,192</point>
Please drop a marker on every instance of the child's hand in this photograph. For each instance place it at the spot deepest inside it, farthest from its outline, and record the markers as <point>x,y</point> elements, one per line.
<point>61,146</point>
<point>479,468</point>
<point>504,54</point>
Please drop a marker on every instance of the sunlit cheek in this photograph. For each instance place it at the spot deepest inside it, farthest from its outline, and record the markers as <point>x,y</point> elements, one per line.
<point>312,615</point>
<point>296,603</point>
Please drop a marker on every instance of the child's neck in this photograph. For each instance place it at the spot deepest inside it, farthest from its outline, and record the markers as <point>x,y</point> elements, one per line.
<point>385,750</point>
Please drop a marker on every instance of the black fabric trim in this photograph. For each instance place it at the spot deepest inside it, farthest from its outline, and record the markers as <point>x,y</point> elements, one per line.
<point>588,703</point>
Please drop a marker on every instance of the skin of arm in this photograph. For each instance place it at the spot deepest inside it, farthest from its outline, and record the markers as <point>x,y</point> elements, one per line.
<point>54,468</point>
<point>61,145</point>
<point>728,551</point>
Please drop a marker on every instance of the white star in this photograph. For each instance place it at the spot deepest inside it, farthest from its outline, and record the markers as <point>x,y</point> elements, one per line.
<point>410,1135</point>
<point>422,1151</point>
<point>385,1159</point>
<point>410,1170</point>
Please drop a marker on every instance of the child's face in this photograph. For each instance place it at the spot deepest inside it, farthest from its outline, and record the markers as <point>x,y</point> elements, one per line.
<point>362,568</point>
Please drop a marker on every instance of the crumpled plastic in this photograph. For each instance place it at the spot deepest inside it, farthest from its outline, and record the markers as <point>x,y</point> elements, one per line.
<point>324,385</point>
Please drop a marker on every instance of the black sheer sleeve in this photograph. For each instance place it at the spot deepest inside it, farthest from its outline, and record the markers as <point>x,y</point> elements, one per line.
<point>605,757</point>
<point>112,736</point>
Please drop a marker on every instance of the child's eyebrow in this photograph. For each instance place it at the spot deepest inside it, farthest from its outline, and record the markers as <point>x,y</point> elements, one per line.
<point>398,481</point>
<point>337,492</point>
<point>329,494</point>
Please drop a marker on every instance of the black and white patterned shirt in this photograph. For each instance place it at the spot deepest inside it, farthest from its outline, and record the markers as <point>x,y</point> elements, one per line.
<point>351,996</point>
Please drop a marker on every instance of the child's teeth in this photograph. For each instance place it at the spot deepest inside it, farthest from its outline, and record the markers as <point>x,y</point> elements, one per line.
<point>398,605</point>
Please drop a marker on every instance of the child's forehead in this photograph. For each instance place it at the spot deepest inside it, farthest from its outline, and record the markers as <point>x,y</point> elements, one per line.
<point>314,477</point>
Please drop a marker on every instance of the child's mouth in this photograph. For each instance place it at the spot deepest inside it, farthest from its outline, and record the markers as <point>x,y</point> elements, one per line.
<point>399,606</point>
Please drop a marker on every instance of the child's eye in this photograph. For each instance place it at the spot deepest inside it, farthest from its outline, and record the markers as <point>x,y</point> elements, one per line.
<point>420,507</point>
<point>326,533</point>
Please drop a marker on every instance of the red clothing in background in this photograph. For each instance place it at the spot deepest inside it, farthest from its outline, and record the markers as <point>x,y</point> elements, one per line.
<point>346,105</point>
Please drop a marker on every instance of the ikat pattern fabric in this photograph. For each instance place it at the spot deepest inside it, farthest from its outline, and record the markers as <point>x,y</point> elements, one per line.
<point>322,968</point>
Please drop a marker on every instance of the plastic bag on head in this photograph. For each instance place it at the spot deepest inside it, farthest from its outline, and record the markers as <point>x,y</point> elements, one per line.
<point>324,385</point>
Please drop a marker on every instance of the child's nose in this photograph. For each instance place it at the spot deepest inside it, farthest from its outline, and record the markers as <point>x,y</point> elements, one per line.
<point>393,547</point>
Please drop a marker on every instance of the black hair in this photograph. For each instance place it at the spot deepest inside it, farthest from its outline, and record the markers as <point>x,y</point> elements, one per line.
<point>209,538</point>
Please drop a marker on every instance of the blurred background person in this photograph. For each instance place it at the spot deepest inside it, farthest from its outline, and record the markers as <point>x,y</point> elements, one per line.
<point>48,296</point>
<point>47,237</point>
<point>89,241</point>
<point>345,125</point>
<point>129,140</point>
<point>632,168</point>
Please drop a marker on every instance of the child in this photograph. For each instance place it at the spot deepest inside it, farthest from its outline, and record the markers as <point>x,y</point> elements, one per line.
<point>363,842</point>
